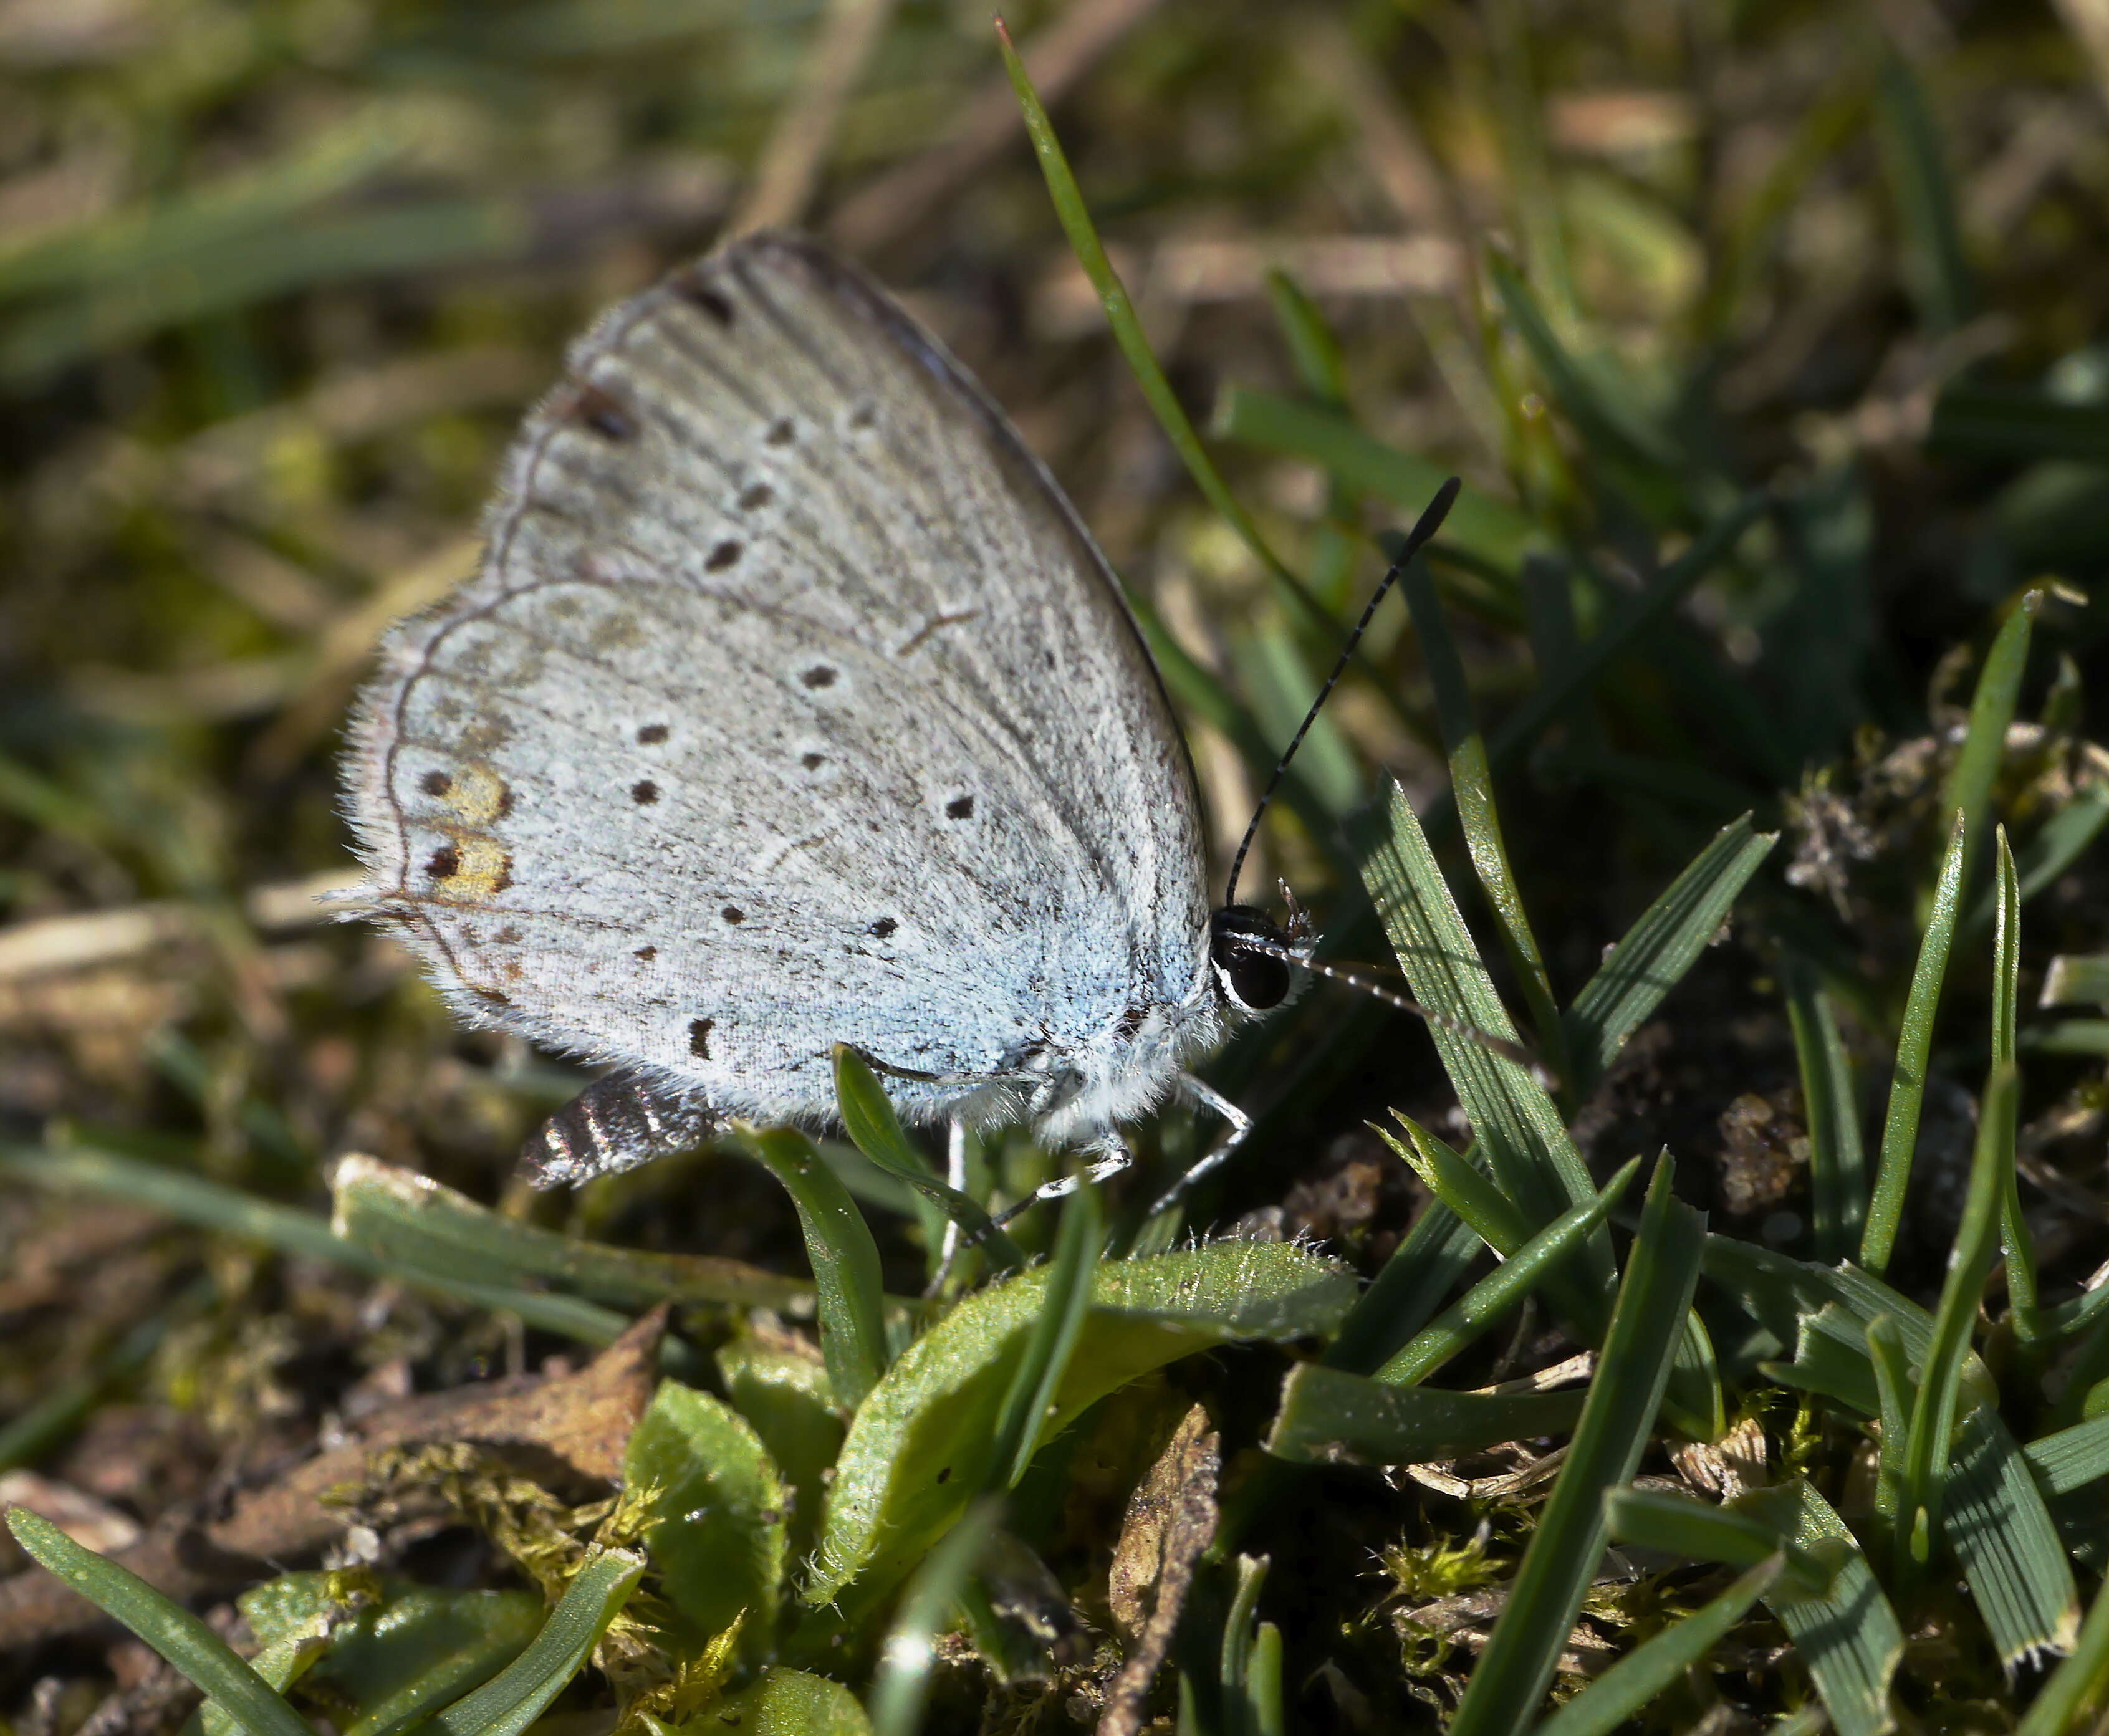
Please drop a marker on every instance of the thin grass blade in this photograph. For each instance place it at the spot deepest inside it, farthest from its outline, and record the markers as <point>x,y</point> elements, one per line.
<point>189,1645</point>
<point>909,1653</point>
<point>1837,1157</point>
<point>1490,1299</point>
<point>2002,1535</point>
<point>1992,708</point>
<point>1885,1206</point>
<point>1939,1393</point>
<point>1655,954</point>
<point>2074,1700</point>
<point>521,1692</point>
<point>851,1300</point>
<point>2021,1288</point>
<point>1053,1337</point>
<point>1650,1668</point>
<point>1508,1683</point>
<point>873,1127</point>
<point>1330,1416</point>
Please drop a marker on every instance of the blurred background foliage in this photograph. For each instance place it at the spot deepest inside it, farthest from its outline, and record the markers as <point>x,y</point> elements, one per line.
<point>278,279</point>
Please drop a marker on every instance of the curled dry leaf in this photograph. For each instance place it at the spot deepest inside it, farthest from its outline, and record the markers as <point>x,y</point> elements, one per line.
<point>1171,1519</point>
<point>575,1426</point>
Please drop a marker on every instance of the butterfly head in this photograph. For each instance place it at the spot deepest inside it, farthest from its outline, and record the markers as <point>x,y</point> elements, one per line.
<point>1255,956</point>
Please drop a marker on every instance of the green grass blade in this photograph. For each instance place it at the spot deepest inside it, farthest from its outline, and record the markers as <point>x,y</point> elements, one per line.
<point>1933,260</point>
<point>1053,1337</point>
<point>2072,1457</point>
<point>845,1271</point>
<point>2008,425</point>
<point>2072,1701</point>
<point>2003,1536</point>
<point>1508,1683</point>
<point>1457,1184</point>
<point>211,1204</point>
<point>1471,785</point>
<point>1992,708</point>
<point>1893,1385</point>
<point>1651,1668</point>
<point>1657,951</point>
<point>189,1645</point>
<point>401,1216</point>
<point>1519,1126</point>
<point>1494,532</point>
<point>1630,622</point>
<point>1837,1157</point>
<point>909,1654</point>
<point>521,1692</point>
<point>1848,1636</point>
<point>2058,843</point>
<point>1076,220</point>
<point>1488,1301</point>
<point>874,1130</point>
<point>1428,1262</point>
<point>1683,1524</point>
<point>1607,420</point>
<point>1914,1053</point>
<point>2021,1288</point>
<point>2074,978</point>
<point>1939,1392</point>
<point>1330,1416</point>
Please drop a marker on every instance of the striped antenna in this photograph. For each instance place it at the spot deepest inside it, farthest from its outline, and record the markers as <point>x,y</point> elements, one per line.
<point>1431,521</point>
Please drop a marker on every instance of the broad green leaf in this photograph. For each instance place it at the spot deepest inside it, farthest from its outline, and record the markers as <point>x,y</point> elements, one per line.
<point>838,1243</point>
<point>1914,1053</point>
<point>519,1694</point>
<point>717,1503</point>
<point>1507,1687</point>
<point>1658,949</point>
<point>1652,1666</point>
<point>1330,1417</point>
<point>924,1442</point>
<point>782,1389</point>
<point>789,1703</point>
<point>188,1644</point>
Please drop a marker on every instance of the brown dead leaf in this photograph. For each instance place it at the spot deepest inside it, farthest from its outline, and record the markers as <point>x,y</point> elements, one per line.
<point>571,1428</point>
<point>1171,1520</point>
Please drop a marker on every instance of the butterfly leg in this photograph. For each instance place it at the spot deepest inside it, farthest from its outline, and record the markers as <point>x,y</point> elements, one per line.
<point>956,1179</point>
<point>1240,1124</point>
<point>1113,1155</point>
<point>616,1123</point>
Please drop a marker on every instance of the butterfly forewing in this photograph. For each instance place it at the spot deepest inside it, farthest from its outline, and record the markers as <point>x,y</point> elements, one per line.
<point>792,705</point>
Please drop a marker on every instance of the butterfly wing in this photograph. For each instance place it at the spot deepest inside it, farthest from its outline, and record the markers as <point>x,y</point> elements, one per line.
<point>792,704</point>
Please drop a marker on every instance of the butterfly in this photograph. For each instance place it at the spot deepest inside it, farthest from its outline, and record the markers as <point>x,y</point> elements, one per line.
<point>793,706</point>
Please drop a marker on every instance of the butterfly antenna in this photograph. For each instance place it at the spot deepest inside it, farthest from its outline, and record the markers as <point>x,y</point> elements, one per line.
<point>1430,522</point>
<point>1508,1049</point>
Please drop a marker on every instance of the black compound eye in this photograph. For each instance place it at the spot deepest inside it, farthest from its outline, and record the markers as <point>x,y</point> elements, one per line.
<point>1257,980</point>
